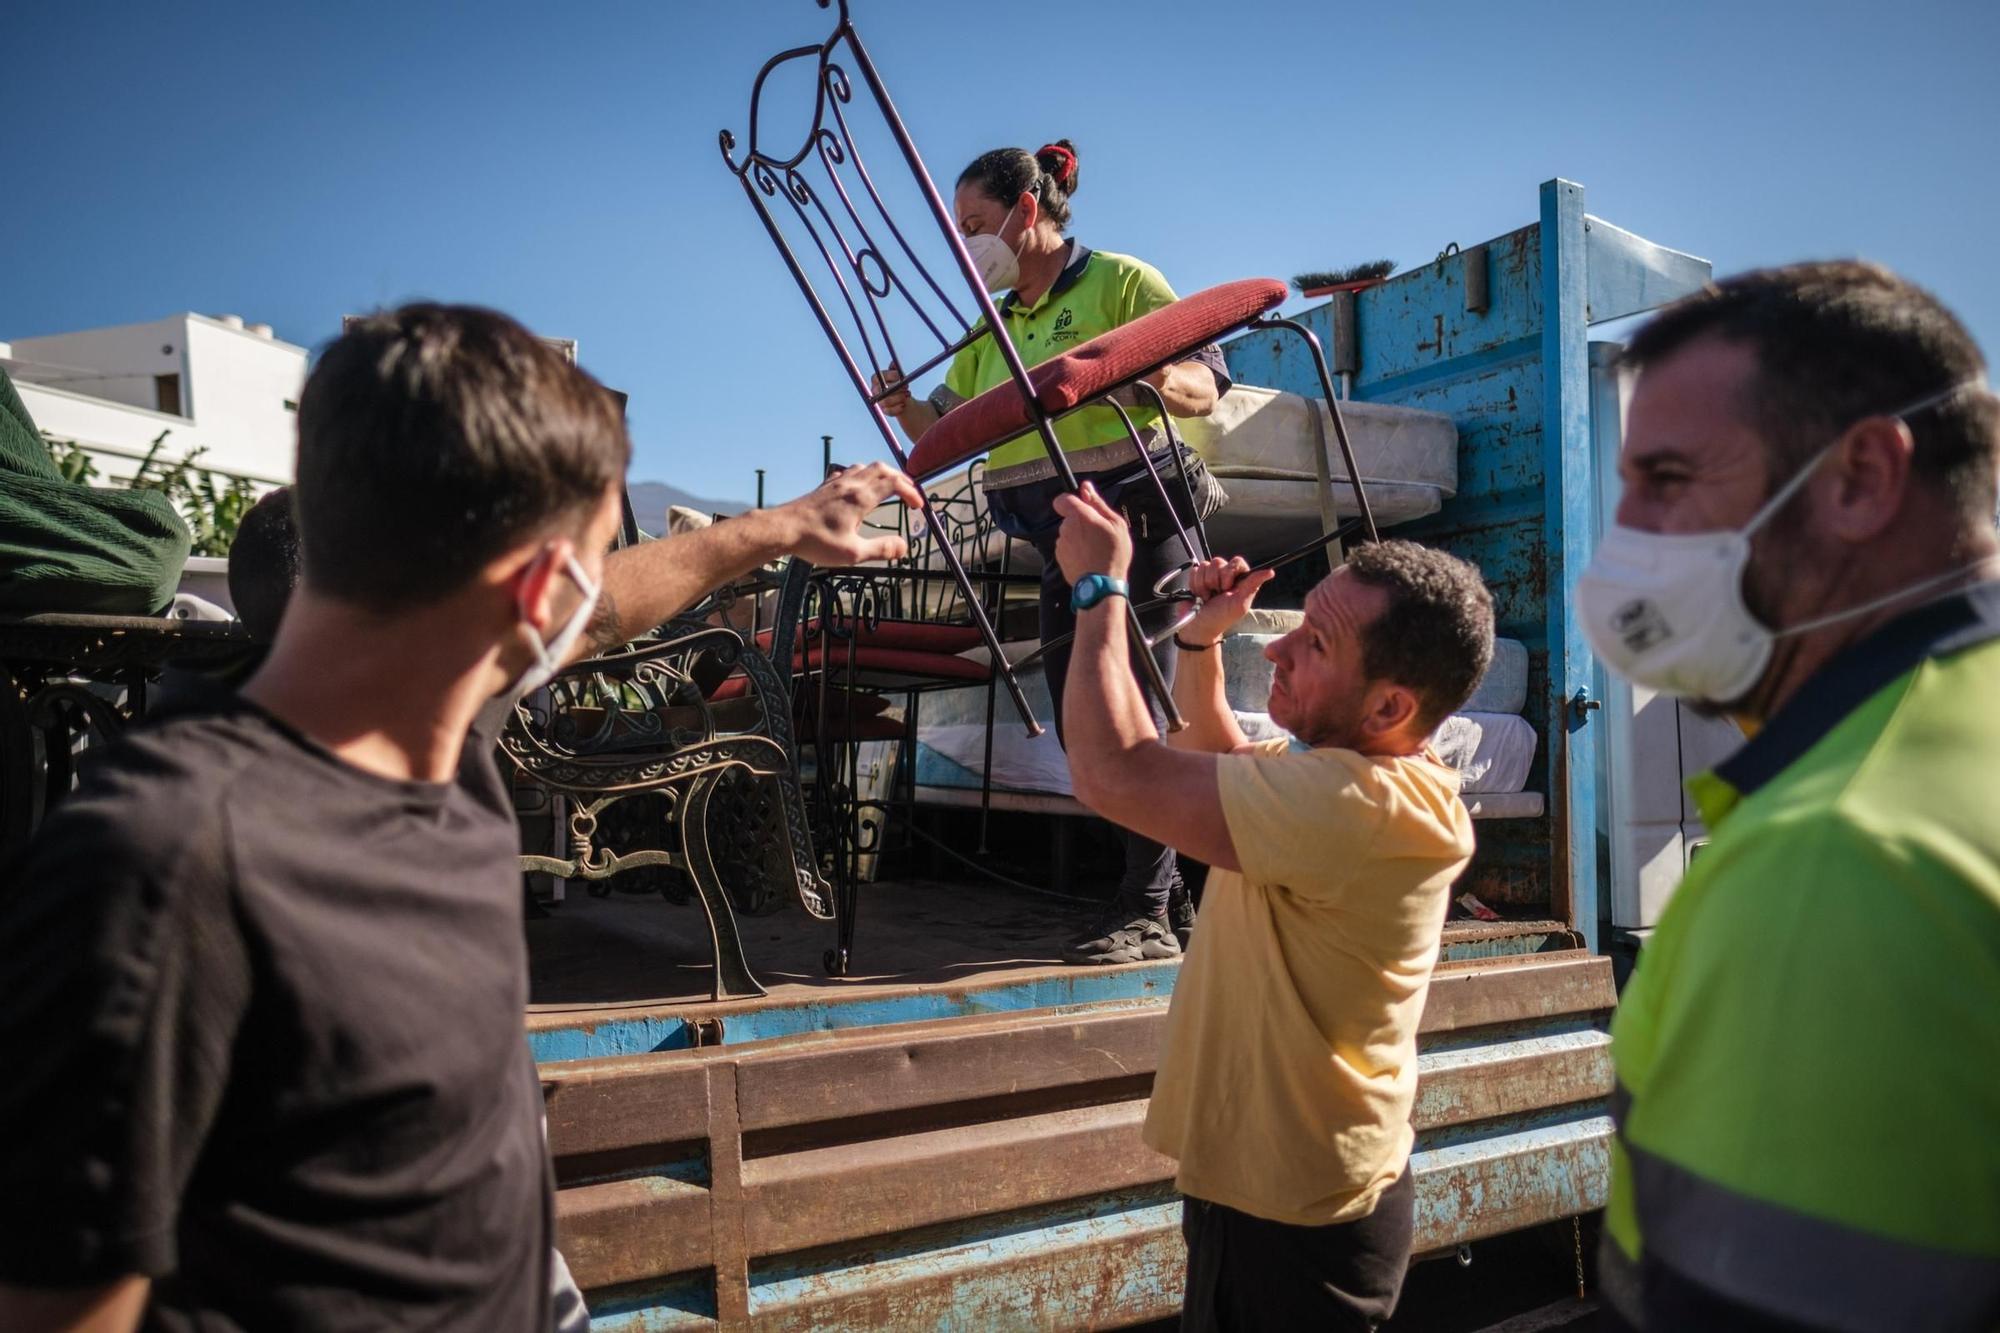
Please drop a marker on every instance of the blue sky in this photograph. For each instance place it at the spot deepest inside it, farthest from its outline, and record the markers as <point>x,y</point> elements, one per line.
<point>293,163</point>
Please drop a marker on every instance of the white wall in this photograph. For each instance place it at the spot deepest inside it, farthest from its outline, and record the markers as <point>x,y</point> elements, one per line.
<point>116,363</point>
<point>117,436</point>
<point>235,385</point>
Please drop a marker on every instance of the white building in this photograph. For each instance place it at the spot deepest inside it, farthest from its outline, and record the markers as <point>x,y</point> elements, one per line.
<point>207,381</point>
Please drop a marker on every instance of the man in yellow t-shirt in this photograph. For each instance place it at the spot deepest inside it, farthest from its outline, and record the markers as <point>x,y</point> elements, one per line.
<point>1290,1060</point>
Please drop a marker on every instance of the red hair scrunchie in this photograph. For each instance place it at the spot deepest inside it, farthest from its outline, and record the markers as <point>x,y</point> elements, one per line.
<point>1068,173</point>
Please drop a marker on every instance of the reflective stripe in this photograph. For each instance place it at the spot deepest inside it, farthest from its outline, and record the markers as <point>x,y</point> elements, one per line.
<point>1804,1268</point>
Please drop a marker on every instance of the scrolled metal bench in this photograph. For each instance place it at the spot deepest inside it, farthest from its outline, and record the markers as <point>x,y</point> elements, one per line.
<point>703,721</point>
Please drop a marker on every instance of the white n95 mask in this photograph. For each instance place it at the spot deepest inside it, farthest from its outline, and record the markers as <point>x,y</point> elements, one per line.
<point>550,654</point>
<point>999,267</point>
<point>1666,611</point>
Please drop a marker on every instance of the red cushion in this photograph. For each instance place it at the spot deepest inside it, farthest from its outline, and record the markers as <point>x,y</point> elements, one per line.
<point>911,635</point>
<point>1108,361</point>
<point>891,667</point>
<point>841,703</point>
<point>733,688</point>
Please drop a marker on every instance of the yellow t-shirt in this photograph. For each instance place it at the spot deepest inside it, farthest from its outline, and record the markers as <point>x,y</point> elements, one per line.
<point>1290,1059</point>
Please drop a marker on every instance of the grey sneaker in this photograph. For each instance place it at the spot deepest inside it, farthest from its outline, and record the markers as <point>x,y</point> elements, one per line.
<point>1123,936</point>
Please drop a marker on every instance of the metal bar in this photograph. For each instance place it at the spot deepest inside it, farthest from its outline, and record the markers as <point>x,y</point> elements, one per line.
<point>728,1200</point>
<point>1180,453</point>
<point>1367,514</point>
<point>1153,473</point>
<point>928,188</point>
<point>867,1072</point>
<point>871,1132</point>
<point>1467,995</point>
<point>798,1075</point>
<point>1103,1266</point>
<point>602,1106</point>
<point>629,1230</point>
<point>1569,488</point>
<point>828,1195</point>
<point>732,976</point>
<point>1017,371</point>
<point>1515,1078</point>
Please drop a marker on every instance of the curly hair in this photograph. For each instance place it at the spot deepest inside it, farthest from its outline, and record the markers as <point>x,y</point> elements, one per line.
<point>1436,637</point>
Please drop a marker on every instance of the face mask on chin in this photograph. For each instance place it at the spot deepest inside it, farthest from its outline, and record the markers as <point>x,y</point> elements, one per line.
<point>1666,610</point>
<point>999,264</point>
<point>550,654</point>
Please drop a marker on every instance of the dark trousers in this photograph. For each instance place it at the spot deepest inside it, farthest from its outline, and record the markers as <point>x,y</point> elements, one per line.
<point>1151,870</point>
<point>1670,1301</point>
<point>1246,1274</point>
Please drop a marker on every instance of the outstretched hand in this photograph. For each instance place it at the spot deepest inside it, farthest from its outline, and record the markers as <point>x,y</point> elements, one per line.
<point>1227,591</point>
<point>1094,538</point>
<point>824,525</point>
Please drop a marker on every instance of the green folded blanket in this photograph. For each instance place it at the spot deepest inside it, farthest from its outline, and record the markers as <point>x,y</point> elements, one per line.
<point>66,547</point>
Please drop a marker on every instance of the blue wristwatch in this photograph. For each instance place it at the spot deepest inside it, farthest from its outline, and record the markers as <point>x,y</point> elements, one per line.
<point>1094,588</point>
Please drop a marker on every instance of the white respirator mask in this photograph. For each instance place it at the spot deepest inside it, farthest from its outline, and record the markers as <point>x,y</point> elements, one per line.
<point>550,654</point>
<point>999,267</point>
<point>1665,610</point>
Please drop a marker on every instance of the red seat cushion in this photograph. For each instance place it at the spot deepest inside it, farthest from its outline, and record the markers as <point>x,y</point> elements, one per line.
<point>1108,361</point>
<point>841,703</point>
<point>893,668</point>
<point>909,635</point>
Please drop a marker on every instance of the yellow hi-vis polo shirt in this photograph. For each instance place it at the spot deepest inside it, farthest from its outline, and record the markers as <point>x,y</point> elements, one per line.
<point>1096,292</point>
<point>1808,1052</point>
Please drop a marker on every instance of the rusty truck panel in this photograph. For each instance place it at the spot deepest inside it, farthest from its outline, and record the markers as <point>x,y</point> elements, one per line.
<point>987,1170</point>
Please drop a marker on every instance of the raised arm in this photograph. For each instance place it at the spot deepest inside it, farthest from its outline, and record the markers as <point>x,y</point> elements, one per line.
<point>648,584</point>
<point>1117,765</point>
<point>114,1308</point>
<point>1188,387</point>
<point>1227,590</point>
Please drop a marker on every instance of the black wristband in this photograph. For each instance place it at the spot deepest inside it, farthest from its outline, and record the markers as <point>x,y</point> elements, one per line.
<point>1187,647</point>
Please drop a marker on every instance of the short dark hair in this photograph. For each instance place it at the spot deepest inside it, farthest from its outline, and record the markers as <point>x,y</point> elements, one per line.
<point>1837,341</point>
<point>1436,637</point>
<point>264,563</point>
<point>1050,174</point>
<point>434,437</point>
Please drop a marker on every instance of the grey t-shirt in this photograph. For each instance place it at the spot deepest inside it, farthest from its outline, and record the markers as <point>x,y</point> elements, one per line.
<point>263,1016</point>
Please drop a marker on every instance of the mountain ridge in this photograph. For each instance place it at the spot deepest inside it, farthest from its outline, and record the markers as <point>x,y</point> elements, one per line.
<point>652,499</point>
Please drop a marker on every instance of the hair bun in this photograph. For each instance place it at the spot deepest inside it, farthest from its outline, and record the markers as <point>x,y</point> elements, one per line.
<point>1059,160</point>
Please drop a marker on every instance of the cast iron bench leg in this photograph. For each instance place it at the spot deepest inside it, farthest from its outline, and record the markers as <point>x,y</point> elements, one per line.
<point>733,978</point>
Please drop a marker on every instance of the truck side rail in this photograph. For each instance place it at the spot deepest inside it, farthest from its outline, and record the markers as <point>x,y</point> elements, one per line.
<point>990,1167</point>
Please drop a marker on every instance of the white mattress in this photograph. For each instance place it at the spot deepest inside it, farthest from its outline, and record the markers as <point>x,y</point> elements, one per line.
<point>1491,751</point>
<point>1260,443</point>
<point>1504,687</point>
<point>1487,742</point>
